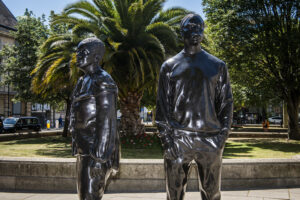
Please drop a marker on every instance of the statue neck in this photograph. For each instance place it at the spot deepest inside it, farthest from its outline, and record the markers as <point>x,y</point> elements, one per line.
<point>191,50</point>
<point>91,69</point>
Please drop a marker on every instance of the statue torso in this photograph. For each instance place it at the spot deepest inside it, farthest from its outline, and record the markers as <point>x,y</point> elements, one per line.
<point>192,82</point>
<point>88,88</point>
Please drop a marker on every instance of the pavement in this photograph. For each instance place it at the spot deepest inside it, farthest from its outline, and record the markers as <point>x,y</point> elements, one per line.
<point>261,194</point>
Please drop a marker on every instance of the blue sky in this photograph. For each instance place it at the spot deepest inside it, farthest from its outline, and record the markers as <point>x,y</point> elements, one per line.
<point>39,7</point>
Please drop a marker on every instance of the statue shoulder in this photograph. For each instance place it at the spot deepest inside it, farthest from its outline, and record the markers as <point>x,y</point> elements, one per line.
<point>79,81</point>
<point>104,80</point>
<point>213,59</point>
<point>170,62</point>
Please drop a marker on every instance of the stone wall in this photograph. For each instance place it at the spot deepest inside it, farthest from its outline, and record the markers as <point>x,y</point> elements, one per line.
<point>59,175</point>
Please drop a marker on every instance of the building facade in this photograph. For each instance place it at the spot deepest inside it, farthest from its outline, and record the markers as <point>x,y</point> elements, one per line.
<point>7,106</point>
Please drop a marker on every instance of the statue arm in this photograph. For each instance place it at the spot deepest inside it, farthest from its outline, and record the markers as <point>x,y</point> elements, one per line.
<point>106,126</point>
<point>162,104</point>
<point>162,109</point>
<point>224,101</point>
<point>72,118</point>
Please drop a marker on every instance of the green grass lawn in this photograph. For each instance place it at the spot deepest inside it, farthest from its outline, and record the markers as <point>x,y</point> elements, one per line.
<point>235,148</point>
<point>261,148</point>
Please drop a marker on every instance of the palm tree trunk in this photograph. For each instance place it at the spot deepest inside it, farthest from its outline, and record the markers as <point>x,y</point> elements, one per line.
<point>131,123</point>
<point>67,118</point>
<point>292,110</point>
<point>53,117</point>
<point>153,116</point>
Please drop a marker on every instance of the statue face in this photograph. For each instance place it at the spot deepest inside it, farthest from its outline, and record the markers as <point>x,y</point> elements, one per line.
<point>192,31</point>
<point>84,57</point>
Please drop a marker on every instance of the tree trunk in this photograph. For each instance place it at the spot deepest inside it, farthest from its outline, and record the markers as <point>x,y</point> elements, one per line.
<point>153,116</point>
<point>53,117</point>
<point>285,117</point>
<point>292,110</point>
<point>26,109</point>
<point>67,118</point>
<point>131,123</point>
<point>264,112</point>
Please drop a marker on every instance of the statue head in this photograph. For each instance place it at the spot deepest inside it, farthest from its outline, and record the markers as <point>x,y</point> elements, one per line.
<point>89,53</point>
<point>192,28</point>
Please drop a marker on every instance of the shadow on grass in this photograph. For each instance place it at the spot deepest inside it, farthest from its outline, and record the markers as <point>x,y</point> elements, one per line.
<point>58,146</point>
<point>53,146</point>
<point>41,140</point>
<point>130,153</point>
<point>233,150</point>
<point>55,152</point>
<point>243,148</point>
<point>286,147</point>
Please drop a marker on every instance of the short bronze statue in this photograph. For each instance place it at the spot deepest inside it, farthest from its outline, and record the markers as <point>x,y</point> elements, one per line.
<point>93,122</point>
<point>194,114</point>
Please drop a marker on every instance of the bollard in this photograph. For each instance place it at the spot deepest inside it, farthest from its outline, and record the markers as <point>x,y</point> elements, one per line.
<point>48,124</point>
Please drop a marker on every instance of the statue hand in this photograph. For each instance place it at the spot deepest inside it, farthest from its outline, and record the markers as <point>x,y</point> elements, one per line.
<point>97,159</point>
<point>97,169</point>
<point>170,148</point>
<point>172,152</point>
<point>223,137</point>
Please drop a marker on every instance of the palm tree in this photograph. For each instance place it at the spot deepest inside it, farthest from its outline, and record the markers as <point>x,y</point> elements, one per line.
<point>138,35</point>
<point>55,74</point>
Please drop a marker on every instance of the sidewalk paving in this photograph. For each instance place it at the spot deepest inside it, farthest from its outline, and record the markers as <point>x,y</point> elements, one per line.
<point>262,194</point>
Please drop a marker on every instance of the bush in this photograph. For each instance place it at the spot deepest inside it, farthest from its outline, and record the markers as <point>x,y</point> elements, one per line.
<point>141,141</point>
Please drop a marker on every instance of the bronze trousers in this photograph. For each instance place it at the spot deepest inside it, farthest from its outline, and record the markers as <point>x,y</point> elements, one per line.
<point>91,178</point>
<point>207,153</point>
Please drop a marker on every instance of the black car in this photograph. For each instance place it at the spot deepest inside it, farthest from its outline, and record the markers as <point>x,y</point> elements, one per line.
<point>12,124</point>
<point>1,125</point>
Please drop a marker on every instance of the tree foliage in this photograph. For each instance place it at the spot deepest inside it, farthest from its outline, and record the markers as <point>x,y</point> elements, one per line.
<point>137,35</point>
<point>260,41</point>
<point>56,74</point>
<point>20,59</point>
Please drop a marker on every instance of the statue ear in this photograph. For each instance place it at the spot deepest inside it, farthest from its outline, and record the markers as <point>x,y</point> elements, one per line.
<point>97,59</point>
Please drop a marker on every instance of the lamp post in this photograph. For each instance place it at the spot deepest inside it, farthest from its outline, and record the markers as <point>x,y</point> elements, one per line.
<point>8,99</point>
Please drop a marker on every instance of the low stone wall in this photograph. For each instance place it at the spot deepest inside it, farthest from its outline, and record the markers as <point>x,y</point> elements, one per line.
<point>58,175</point>
<point>235,134</point>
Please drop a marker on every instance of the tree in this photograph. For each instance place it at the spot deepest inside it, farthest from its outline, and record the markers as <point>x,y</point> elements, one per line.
<point>137,34</point>
<point>20,59</point>
<point>56,74</point>
<point>260,41</point>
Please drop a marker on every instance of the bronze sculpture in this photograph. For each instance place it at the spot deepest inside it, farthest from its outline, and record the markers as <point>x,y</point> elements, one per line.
<point>194,114</point>
<point>93,122</point>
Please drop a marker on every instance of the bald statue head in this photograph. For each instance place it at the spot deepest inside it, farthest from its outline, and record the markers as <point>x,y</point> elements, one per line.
<point>192,28</point>
<point>89,53</point>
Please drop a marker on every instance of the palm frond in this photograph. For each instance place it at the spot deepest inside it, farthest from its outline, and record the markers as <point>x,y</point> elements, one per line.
<point>150,10</point>
<point>84,8</point>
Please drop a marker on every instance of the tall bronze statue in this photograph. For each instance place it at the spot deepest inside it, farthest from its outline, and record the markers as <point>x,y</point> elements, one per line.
<point>194,114</point>
<point>93,122</point>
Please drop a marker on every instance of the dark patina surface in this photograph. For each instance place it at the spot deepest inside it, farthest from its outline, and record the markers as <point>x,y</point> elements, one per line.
<point>93,122</point>
<point>194,113</point>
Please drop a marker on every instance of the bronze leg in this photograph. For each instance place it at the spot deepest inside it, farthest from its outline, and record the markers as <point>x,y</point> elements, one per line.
<point>209,166</point>
<point>176,178</point>
<point>91,178</point>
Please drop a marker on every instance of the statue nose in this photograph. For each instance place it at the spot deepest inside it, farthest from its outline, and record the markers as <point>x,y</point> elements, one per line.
<point>195,35</point>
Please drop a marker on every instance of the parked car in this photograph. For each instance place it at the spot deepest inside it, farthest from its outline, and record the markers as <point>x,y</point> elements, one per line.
<point>1,125</point>
<point>12,124</point>
<point>275,120</point>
